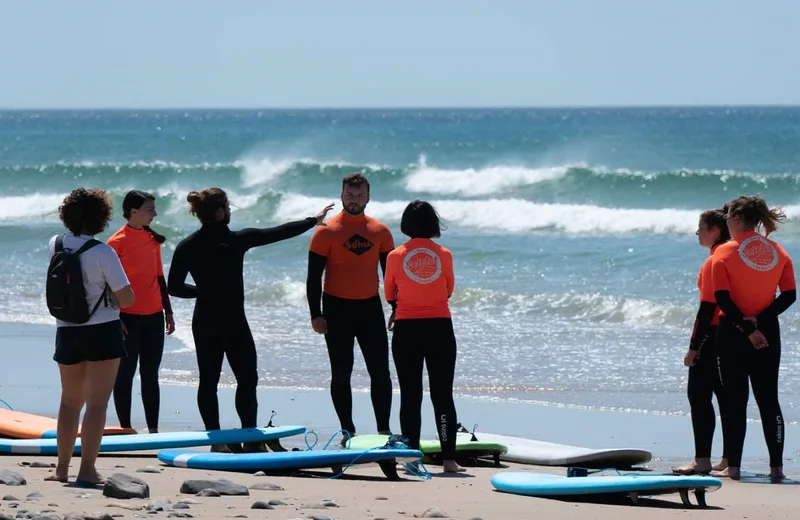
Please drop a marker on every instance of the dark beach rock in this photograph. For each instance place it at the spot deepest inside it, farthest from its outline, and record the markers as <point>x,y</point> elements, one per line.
<point>224,486</point>
<point>122,486</point>
<point>261,505</point>
<point>11,478</point>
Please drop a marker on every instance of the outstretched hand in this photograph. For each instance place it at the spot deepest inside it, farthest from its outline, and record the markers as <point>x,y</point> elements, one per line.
<point>321,215</point>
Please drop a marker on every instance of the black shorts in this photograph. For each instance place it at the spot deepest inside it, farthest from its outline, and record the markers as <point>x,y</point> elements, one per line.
<point>99,342</point>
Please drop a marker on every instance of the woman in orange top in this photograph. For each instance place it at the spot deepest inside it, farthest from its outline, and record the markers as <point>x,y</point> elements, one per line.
<point>746,271</point>
<point>701,358</point>
<point>139,249</point>
<point>418,283</point>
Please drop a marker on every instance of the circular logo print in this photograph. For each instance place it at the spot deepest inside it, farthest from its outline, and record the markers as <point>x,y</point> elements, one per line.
<point>757,253</point>
<point>422,265</point>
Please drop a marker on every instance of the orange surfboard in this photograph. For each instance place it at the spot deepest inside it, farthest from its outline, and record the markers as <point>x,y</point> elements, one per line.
<point>21,425</point>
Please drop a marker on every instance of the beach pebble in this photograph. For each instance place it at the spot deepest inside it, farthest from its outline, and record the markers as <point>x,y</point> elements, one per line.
<point>188,501</point>
<point>209,493</point>
<point>4,516</point>
<point>329,503</point>
<point>433,512</point>
<point>181,505</point>
<point>34,495</point>
<point>276,502</point>
<point>149,469</point>
<point>261,505</point>
<point>88,516</point>
<point>266,486</point>
<point>10,498</point>
<point>259,474</point>
<point>224,486</point>
<point>122,486</point>
<point>11,478</point>
<point>381,498</point>
<point>320,517</point>
<point>179,514</point>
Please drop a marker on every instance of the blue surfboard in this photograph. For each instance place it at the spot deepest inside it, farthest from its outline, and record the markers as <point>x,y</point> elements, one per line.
<point>154,441</point>
<point>632,484</point>
<point>289,460</point>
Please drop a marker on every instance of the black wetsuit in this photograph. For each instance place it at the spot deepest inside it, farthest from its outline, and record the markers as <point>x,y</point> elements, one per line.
<point>349,320</point>
<point>739,361</point>
<point>214,256</point>
<point>704,383</point>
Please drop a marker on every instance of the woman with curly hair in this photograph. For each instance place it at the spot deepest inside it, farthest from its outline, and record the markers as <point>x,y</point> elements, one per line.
<point>87,351</point>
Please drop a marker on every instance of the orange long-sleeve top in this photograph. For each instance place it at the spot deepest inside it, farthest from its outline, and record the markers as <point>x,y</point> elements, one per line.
<point>420,279</point>
<point>140,255</point>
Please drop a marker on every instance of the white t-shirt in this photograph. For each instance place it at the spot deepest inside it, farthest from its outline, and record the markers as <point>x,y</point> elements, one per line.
<point>100,265</point>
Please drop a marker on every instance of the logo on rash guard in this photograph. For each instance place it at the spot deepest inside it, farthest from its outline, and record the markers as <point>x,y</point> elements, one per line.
<point>757,253</point>
<point>357,244</point>
<point>422,265</point>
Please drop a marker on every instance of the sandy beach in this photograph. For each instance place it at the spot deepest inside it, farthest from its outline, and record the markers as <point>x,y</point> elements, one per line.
<point>361,493</point>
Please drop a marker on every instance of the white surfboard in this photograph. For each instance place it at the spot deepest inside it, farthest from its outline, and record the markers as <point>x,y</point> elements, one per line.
<point>541,453</point>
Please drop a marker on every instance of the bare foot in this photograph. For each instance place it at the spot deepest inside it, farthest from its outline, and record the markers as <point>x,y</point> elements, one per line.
<point>776,474</point>
<point>729,472</point>
<point>220,448</point>
<point>58,476</point>
<point>691,468</point>
<point>450,466</point>
<point>722,465</point>
<point>91,478</point>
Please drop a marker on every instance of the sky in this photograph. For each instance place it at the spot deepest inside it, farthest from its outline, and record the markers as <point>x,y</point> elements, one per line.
<point>411,53</point>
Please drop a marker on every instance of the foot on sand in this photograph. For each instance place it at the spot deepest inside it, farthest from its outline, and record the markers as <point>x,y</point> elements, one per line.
<point>90,479</point>
<point>776,475</point>
<point>692,468</point>
<point>729,472</point>
<point>451,466</point>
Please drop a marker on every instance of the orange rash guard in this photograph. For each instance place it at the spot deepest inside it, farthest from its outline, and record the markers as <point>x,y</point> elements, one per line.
<point>420,279</point>
<point>348,248</point>
<point>140,255</point>
<point>746,272</point>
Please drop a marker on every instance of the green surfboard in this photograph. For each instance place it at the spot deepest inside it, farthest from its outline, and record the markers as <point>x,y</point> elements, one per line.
<point>432,450</point>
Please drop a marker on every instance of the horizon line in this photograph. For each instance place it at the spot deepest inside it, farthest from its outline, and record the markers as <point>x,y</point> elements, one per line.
<point>399,107</point>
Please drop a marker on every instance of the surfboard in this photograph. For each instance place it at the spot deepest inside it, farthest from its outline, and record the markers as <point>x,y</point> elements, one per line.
<point>337,460</point>
<point>431,449</point>
<point>22,425</point>
<point>633,485</point>
<point>155,441</point>
<point>541,453</point>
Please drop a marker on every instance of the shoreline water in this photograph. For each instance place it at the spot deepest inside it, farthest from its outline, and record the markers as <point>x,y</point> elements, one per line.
<point>29,382</point>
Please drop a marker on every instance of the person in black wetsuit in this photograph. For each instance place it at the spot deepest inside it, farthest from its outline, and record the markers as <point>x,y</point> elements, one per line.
<point>701,357</point>
<point>214,256</point>
<point>747,270</point>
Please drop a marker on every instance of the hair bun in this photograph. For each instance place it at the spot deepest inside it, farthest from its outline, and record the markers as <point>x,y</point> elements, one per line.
<point>194,197</point>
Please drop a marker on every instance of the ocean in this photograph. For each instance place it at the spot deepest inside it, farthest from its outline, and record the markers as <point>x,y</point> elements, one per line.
<point>573,229</point>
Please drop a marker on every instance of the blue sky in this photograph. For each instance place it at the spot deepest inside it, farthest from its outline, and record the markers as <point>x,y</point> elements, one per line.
<point>370,53</point>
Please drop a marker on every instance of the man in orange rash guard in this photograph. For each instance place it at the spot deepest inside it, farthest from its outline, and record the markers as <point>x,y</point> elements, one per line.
<point>420,280</point>
<point>746,272</point>
<point>348,248</point>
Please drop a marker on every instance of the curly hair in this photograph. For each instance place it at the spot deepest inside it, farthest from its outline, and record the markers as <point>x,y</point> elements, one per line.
<point>86,211</point>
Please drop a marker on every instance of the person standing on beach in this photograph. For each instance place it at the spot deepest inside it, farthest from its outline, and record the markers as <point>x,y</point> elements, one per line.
<point>89,341</point>
<point>144,323</point>
<point>746,272</point>
<point>701,358</point>
<point>419,282</point>
<point>348,250</point>
<point>214,256</point>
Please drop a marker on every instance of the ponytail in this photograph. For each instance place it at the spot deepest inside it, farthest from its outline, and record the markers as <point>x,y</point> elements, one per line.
<point>754,213</point>
<point>158,237</point>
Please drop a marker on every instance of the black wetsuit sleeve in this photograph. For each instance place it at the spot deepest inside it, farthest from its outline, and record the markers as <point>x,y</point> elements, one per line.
<point>382,258</point>
<point>732,311</point>
<point>702,325</point>
<point>780,304</point>
<point>316,266</point>
<point>255,237</point>
<point>178,271</point>
<point>165,303</point>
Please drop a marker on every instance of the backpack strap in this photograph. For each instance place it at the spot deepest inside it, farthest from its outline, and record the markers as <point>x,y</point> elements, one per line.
<point>104,296</point>
<point>59,243</point>
<point>88,245</point>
